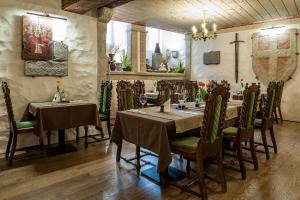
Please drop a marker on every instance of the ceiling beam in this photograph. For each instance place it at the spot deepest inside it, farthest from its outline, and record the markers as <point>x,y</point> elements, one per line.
<point>83,6</point>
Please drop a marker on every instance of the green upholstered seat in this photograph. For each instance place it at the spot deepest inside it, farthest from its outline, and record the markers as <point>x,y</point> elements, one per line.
<point>193,94</point>
<point>25,124</point>
<point>103,116</point>
<point>250,110</point>
<point>167,95</point>
<point>230,131</point>
<point>258,122</point>
<point>190,143</point>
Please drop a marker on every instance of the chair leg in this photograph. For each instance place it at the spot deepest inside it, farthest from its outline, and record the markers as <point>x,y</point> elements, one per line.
<point>265,143</point>
<point>8,145</point>
<point>253,154</point>
<point>240,158</point>
<point>108,127</point>
<point>138,165</point>
<point>41,143</point>
<point>200,176</point>
<point>221,172</point>
<point>86,136</point>
<point>13,149</point>
<point>273,139</point>
<point>188,167</point>
<point>280,114</point>
<point>77,134</point>
<point>275,115</point>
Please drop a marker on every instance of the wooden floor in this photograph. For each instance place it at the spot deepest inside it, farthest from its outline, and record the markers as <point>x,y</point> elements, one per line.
<point>94,174</point>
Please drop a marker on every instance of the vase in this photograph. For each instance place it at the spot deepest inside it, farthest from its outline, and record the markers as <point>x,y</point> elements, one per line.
<point>157,48</point>
<point>111,62</point>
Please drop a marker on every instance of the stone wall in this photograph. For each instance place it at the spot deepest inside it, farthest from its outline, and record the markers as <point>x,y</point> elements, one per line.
<point>225,70</point>
<point>81,83</point>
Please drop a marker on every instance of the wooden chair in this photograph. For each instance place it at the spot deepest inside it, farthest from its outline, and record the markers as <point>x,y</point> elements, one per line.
<point>165,91</point>
<point>15,128</point>
<point>266,121</point>
<point>125,95</point>
<point>138,90</point>
<point>104,115</point>
<point>277,107</point>
<point>191,88</point>
<point>209,142</point>
<point>245,130</point>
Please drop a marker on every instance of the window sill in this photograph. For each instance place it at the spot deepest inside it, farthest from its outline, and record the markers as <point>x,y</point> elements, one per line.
<point>144,75</point>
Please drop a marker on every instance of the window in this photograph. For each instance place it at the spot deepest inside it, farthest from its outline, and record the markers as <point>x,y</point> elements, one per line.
<point>117,37</point>
<point>170,43</point>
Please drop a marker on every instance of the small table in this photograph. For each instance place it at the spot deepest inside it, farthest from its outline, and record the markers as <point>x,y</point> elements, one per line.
<point>60,116</point>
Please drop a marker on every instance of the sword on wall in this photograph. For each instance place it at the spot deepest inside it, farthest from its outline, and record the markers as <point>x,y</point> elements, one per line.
<point>236,48</point>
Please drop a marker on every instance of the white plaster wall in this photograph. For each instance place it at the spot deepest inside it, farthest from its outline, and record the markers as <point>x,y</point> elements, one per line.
<point>226,69</point>
<point>81,37</point>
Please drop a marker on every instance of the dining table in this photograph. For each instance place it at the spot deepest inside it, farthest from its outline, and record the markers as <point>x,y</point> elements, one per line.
<point>151,129</point>
<point>51,116</point>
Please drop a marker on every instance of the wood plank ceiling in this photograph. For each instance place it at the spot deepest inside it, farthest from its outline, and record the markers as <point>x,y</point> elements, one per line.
<point>82,6</point>
<point>180,15</point>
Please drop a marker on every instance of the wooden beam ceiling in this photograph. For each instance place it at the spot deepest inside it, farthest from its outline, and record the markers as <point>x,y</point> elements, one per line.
<point>83,6</point>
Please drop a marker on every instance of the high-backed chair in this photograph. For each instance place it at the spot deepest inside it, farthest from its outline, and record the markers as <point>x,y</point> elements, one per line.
<point>125,95</point>
<point>15,128</point>
<point>138,90</point>
<point>244,132</point>
<point>191,88</point>
<point>277,107</point>
<point>266,121</point>
<point>165,91</point>
<point>209,141</point>
<point>104,114</point>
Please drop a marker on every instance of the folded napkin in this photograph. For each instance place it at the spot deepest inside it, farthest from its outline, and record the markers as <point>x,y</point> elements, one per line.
<point>167,106</point>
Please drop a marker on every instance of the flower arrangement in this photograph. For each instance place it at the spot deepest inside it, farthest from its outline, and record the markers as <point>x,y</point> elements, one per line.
<point>202,90</point>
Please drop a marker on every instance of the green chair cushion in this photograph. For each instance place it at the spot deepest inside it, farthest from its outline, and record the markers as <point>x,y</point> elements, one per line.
<point>129,99</point>
<point>250,109</point>
<point>25,124</point>
<point>103,116</point>
<point>190,143</point>
<point>104,99</point>
<point>230,131</point>
<point>193,94</point>
<point>215,119</point>
<point>258,122</point>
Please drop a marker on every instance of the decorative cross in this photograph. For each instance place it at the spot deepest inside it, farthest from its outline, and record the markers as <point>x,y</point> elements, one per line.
<point>236,48</point>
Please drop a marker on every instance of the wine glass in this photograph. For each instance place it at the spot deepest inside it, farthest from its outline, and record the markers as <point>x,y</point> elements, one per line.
<point>143,100</point>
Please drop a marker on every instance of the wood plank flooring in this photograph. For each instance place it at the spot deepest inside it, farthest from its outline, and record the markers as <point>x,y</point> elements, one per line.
<point>94,174</point>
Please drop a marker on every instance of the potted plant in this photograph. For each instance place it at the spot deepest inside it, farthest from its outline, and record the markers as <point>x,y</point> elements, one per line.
<point>112,51</point>
<point>126,66</point>
<point>180,68</point>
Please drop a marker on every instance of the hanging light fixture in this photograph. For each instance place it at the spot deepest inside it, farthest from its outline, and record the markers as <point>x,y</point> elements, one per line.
<point>204,33</point>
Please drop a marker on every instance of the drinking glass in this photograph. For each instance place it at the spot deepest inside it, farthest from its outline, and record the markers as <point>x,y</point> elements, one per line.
<point>143,100</point>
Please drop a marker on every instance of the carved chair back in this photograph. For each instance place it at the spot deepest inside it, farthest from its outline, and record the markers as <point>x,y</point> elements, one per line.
<point>125,95</point>
<point>249,107</point>
<point>270,102</point>
<point>165,91</point>
<point>191,88</point>
<point>9,108</point>
<point>138,90</point>
<point>214,113</point>
<point>105,97</point>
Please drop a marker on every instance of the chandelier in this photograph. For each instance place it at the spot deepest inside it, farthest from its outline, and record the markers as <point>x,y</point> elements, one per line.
<point>204,33</point>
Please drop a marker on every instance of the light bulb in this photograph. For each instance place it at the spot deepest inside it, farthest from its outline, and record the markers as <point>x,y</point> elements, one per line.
<point>214,27</point>
<point>194,29</point>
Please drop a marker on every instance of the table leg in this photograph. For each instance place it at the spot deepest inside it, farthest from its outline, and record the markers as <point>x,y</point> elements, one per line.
<point>118,156</point>
<point>61,140</point>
